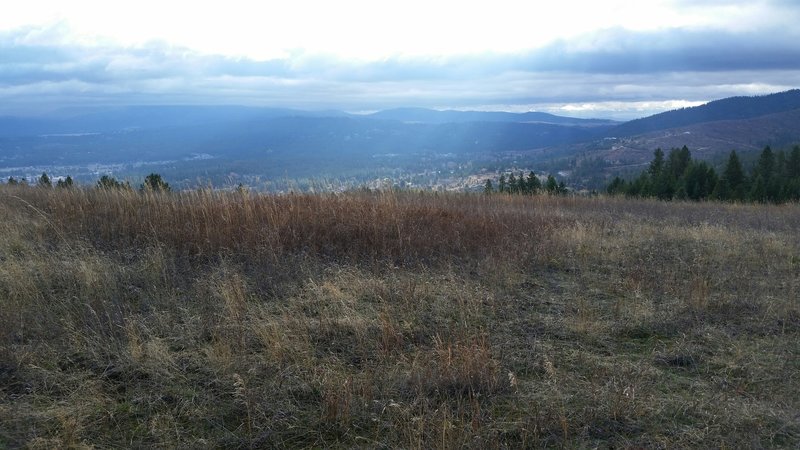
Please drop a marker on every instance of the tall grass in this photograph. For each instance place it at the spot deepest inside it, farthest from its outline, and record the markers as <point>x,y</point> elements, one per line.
<point>395,319</point>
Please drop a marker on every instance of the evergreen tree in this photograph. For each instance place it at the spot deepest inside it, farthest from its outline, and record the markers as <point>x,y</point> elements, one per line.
<point>534,185</point>
<point>551,186</point>
<point>699,180</point>
<point>522,185</point>
<point>793,163</point>
<point>512,184</point>
<point>155,183</point>
<point>657,164</point>
<point>66,183</point>
<point>758,193</point>
<point>501,184</point>
<point>678,162</point>
<point>792,189</point>
<point>734,178</point>
<point>487,187</point>
<point>107,182</point>
<point>766,164</point>
<point>12,181</point>
<point>44,181</point>
<point>617,186</point>
<point>638,187</point>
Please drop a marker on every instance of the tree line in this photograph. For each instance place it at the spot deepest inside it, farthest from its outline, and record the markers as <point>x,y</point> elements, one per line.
<point>775,178</point>
<point>526,186</point>
<point>153,182</point>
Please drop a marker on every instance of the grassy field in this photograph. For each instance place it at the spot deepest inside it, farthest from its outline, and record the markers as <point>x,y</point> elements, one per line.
<point>396,320</point>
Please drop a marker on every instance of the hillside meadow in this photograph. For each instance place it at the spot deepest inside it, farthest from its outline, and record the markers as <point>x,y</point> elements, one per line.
<point>395,320</point>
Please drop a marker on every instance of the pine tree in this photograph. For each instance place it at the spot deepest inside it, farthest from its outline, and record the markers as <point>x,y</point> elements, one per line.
<point>657,164</point>
<point>534,185</point>
<point>699,180</point>
<point>108,182</point>
<point>66,183</point>
<point>734,177</point>
<point>793,163</point>
<point>677,162</point>
<point>501,184</point>
<point>617,186</point>
<point>551,186</point>
<point>44,181</point>
<point>766,164</point>
<point>758,193</point>
<point>512,184</point>
<point>522,185</point>
<point>487,187</point>
<point>155,183</point>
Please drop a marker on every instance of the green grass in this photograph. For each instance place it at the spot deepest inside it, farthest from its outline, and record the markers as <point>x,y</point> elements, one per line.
<point>210,319</point>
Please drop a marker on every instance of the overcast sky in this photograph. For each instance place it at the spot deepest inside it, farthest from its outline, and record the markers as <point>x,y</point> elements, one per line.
<point>615,58</point>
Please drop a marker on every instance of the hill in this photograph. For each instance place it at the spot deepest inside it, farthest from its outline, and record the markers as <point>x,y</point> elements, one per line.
<point>395,320</point>
<point>711,131</point>
<point>422,115</point>
<point>227,145</point>
<point>215,142</point>
<point>733,108</point>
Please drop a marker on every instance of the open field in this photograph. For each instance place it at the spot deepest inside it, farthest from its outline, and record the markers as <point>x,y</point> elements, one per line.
<point>208,319</point>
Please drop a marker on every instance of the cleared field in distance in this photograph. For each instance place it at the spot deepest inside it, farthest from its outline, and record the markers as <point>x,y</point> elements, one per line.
<point>413,320</point>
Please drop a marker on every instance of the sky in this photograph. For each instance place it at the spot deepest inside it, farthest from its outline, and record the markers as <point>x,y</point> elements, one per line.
<point>613,59</point>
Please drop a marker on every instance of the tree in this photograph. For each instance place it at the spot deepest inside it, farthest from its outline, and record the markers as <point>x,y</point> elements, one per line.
<point>487,187</point>
<point>699,180</point>
<point>657,164</point>
<point>107,182</point>
<point>551,186</point>
<point>501,184</point>
<point>766,164</point>
<point>12,181</point>
<point>533,183</point>
<point>522,186</point>
<point>155,183</point>
<point>734,178</point>
<point>793,163</point>
<point>617,186</point>
<point>44,181</point>
<point>758,193</point>
<point>677,162</point>
<point>638,187</point>
<point>513,187</point>
<point>66,183</point>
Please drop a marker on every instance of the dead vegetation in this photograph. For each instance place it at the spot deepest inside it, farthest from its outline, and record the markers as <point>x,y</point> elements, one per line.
<point>209,319</point>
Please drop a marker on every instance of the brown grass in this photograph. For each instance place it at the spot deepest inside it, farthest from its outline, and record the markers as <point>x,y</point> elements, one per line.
<point>412,320</point>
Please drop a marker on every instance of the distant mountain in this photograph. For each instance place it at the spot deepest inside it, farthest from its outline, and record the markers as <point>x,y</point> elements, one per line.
<point>226,142</point>
<point>144,117</point>
<point>423,115</point>
<point>708,140</point>
<point>215,141</point>
<point>733,108</point>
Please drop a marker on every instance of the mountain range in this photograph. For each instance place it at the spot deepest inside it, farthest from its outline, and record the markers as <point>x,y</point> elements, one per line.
<point>223,144</point>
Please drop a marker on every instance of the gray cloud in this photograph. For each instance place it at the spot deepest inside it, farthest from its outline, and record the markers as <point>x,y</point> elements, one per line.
<point>612,65</point>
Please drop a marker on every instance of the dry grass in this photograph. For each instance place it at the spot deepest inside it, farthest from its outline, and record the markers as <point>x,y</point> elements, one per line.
<point>210,319</point>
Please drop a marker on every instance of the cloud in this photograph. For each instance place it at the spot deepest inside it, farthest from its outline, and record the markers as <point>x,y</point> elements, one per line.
<point>607,68</point>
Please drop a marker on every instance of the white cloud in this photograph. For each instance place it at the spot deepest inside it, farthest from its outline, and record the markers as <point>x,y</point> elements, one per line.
<point>362,56</point>
<point>371,30</point>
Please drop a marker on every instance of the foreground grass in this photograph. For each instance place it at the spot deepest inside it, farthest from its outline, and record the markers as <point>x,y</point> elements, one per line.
<point>395,320</point>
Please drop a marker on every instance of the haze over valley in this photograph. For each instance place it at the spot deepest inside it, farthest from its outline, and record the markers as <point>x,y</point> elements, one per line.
<point>85,92</point>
